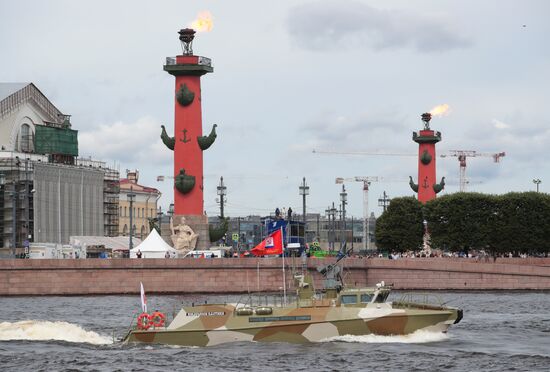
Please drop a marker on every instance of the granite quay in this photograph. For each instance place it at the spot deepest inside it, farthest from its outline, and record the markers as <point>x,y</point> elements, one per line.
<point>121,276</point>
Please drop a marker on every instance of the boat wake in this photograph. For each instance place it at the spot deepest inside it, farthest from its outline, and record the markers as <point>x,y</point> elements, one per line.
<point>41,330</point>
<point>418,337</point>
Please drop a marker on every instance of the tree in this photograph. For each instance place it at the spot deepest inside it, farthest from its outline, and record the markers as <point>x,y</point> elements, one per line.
<point>523,223</point>
<point>400,227</point>
<point>462,221</point>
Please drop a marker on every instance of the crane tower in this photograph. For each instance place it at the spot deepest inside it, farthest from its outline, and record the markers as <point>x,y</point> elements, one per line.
<point>366,183</point>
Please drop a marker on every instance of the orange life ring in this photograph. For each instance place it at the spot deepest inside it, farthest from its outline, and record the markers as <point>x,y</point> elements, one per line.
<point>144,321</point>
<point>157,319</point>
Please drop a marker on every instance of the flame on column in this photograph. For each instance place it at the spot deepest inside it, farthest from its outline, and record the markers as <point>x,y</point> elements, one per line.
<point>203,23</point>
<point>441,110</point>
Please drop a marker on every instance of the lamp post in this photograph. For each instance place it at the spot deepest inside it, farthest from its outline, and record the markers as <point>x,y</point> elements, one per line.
<point>131,196</point>
<point>304,191</point>
<point>222,191</point>
<point>425,238</point>
<point>332,216</point>
<point>537,182</point>
<point>344,200</point>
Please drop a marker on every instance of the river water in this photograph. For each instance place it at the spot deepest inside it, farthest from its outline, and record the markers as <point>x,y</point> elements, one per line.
<point>501,331</point>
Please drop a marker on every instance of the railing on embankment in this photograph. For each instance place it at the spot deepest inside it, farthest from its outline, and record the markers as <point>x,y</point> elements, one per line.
<point>117,276</point>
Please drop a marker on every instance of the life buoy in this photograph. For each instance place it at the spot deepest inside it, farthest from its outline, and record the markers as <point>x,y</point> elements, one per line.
<point>144,321</point>
<point>157,319</point>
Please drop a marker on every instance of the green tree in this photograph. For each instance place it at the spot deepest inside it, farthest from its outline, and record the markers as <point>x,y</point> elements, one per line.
<point>400,227</point>
<point>462,221</point>
<point>523,223</point>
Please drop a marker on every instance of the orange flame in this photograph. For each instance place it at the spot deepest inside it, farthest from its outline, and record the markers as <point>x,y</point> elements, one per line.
<point>203,23</point>
<point>440,110</point>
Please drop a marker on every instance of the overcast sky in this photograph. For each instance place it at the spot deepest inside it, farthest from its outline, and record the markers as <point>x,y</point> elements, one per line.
<point>292,76</point>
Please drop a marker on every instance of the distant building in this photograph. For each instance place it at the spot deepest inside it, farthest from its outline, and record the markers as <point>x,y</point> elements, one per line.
<point>47,193</point>
<point>144,205</point>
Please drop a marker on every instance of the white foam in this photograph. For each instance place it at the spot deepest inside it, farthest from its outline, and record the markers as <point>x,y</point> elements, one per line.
<point>418,337</point>
<point>39,330</point>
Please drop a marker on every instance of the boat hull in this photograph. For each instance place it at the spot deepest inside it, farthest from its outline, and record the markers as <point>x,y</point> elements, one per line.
<point>216,324</point>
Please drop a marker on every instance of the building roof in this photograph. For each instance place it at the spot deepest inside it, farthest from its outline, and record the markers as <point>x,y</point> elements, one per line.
<point>7,89</point>
<point>125,183</point>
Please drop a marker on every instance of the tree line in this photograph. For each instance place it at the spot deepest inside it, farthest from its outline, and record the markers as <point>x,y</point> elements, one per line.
<point>517,223</point>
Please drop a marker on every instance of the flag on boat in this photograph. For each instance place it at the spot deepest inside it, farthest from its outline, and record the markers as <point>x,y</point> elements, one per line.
<point>143,299</point>
<point>273,244</point>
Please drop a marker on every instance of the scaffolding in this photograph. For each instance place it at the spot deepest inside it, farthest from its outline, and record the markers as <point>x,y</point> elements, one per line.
<point>17,195</point>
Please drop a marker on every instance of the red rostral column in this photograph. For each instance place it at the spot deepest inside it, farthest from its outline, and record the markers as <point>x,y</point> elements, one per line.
<point>427,187</point>
<point>188,160</point>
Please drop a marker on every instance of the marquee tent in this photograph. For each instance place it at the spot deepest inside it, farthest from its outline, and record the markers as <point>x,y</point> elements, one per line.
<point>153,247</point>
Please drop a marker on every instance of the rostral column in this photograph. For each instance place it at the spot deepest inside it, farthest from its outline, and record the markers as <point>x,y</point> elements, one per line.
<point>188,142</point>
<point>426,138</point>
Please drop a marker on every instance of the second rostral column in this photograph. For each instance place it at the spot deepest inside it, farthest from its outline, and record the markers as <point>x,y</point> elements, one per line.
<point>427,187</point>
<point>188,142</point>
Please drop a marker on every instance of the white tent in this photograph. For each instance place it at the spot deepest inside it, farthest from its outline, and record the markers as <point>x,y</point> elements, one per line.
<point>153,247</point>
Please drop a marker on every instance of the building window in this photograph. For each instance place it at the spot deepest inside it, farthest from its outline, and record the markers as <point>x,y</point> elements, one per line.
<point>25,138</point>
<point>143,232</point>
<point>125,230</point>
<point>125,212</point>
<point>142,212</point>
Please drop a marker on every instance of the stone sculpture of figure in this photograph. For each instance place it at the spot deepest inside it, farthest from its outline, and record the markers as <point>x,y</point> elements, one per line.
<point>183,237</point>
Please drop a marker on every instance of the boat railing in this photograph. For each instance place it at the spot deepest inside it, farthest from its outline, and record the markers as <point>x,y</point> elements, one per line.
<point>128,330</point>
<point>424,300</point>
<point>261,299</point>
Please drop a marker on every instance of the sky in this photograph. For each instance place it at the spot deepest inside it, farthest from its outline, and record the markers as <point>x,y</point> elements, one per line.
<point>293,76</point>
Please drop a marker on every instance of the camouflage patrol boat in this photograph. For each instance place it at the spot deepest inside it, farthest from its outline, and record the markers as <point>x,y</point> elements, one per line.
<point>310,317</point>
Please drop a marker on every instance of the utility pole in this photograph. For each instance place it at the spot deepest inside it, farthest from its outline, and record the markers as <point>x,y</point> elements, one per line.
<point>239,241</point>
<point>304,190</point>
<point>331,213</point>
<point>352,233</point>
<point>159,219</point>
<point>14,219</point>
<point>384,201</point>
<point>131,197</point>
<point>318,229</point>
<point>344,200</point>
<point>222,191</point>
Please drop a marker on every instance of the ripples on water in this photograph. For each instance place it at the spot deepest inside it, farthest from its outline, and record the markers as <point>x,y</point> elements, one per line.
<point>500,332</point>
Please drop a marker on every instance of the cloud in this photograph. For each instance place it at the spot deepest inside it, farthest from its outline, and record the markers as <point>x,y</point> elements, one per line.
<point>499,124</point>
<point>346,24</point>
<point>131,143</point>
<point>356,132</point>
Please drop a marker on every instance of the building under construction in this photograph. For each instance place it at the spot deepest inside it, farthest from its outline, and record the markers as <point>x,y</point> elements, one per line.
<point>47,193</point>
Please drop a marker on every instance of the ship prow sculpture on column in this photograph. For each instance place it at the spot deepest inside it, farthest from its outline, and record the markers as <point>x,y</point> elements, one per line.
<point>188,144</point>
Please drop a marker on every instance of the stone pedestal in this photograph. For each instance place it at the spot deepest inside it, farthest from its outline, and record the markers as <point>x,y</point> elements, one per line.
<point>199,225</point>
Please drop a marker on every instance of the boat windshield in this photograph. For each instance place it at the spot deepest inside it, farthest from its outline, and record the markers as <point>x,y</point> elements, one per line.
<point>381,297</point>
<point>366,298</point>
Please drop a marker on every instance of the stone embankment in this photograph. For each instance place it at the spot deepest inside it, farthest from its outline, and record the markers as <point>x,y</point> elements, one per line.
<point>118,276</point>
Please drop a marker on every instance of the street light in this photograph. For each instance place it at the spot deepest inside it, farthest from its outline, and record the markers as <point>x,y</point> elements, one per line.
<point>304,190</point>
<point>131,196</point>
<point>537,182</point>
<point>222,191</point>
<point>344,200</point>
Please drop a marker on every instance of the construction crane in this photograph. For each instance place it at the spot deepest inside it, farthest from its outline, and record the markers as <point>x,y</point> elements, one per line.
<point>460,154</point>
<point>366,183</point>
